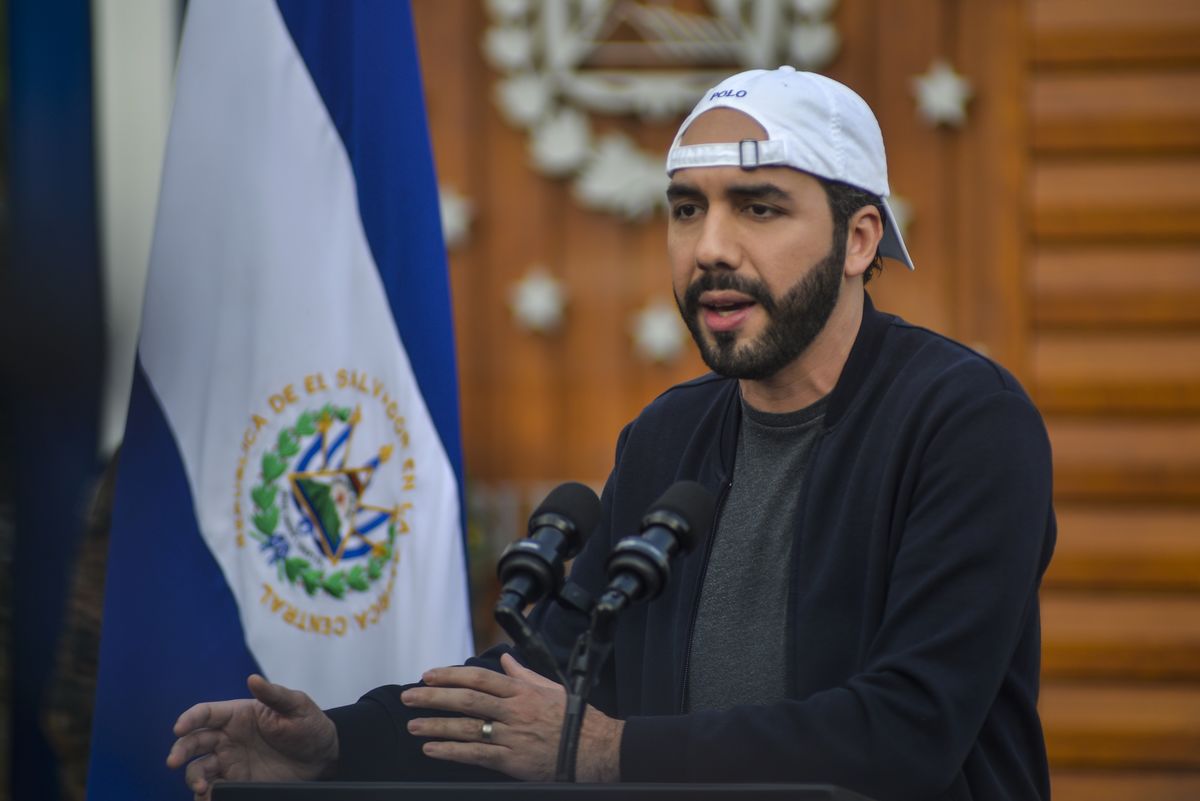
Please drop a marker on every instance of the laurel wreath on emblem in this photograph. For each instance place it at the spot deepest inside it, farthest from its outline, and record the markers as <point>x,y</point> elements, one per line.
<point>266,517</point>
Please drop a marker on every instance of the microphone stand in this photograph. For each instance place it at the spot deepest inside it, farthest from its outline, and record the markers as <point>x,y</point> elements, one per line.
<point>587,658</point>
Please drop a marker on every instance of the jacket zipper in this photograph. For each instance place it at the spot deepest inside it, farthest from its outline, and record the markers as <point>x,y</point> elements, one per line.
<point>687,655</point>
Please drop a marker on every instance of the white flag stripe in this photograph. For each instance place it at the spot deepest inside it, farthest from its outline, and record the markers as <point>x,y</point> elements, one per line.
<point>261,276</point>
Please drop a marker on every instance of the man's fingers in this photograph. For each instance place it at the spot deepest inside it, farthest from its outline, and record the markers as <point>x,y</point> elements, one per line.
<point>200,773</point>
<point>474,678</point>
<point>453,699</point>
<point>466,730</point>
<point>192,745</point>
<point>488,756</point>
<point>518,671</point>
<point>211,715</point>
<point>282,699</point>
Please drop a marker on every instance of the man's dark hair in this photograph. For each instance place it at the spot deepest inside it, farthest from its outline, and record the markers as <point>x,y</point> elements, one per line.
<point>844,200</point>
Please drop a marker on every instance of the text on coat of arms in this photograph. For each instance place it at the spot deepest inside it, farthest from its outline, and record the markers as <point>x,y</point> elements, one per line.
<point>307,495</point>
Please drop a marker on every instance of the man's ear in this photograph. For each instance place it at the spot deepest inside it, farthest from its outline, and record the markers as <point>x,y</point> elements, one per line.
<point>863,233</point>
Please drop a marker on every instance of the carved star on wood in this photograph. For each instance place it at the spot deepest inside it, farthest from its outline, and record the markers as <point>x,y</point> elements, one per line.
<point>942,95</point>
<point>658,333</point>
<point>538,301</point>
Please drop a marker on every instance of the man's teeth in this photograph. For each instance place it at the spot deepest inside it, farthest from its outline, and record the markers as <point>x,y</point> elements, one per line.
<point>726,309</point>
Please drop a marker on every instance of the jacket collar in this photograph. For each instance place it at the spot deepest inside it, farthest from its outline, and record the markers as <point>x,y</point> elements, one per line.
<point>863,355</point>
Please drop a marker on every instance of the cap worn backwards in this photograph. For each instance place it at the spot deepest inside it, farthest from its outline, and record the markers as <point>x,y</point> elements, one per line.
<point>813,123</point>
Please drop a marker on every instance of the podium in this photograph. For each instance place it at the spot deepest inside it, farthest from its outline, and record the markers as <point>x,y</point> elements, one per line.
<point>521,791</point>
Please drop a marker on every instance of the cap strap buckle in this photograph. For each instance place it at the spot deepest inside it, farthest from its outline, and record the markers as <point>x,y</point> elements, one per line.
<point>748,154</point>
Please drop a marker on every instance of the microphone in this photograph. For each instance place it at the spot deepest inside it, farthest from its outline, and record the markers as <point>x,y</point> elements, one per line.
<point>532,568</point>
<point>639,567</point>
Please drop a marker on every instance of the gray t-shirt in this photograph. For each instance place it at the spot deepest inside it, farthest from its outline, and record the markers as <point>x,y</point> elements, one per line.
<point>738,648</point>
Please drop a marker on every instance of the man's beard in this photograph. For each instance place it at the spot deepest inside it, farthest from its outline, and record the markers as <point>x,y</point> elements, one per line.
<point>793,321</point>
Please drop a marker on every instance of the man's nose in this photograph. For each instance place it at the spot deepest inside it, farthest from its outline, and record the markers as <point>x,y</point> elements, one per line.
<point>717,247</point>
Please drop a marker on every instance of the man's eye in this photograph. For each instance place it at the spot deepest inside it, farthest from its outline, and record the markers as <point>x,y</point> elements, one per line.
<point>686,211</point>
<point>760,210</point>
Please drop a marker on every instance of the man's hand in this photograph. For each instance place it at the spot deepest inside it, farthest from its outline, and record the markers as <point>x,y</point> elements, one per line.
<point>525,712</point>
<point>279,735</point>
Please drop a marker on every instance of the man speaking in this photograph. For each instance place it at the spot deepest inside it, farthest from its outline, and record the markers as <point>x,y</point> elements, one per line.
<point>865,611</point>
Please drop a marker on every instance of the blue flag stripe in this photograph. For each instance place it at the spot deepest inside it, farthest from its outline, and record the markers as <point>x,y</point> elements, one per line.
<point>363,60</point>
<point>172,635</point>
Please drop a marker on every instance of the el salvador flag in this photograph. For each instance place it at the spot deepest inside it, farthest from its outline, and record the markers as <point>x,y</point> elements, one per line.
<point>289,491</point>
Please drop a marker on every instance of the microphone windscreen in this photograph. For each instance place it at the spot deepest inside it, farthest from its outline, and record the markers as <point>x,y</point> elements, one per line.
<point>575,502</point>
<point>692,503</point>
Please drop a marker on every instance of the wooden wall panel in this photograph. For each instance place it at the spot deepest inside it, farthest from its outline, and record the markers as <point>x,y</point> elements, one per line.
<point>1126,549</point>
<point>1100,635</point>
<point>598,271</point>
<point>1117,199</point>
<point>1122,785</point>
<point>1121,286</point>
<point>1114,281</point>
<point>1117,373</point>
<point>1126,460</point>
<point>1108,33</point>
<point>1116,111</point>
<point>1121,725</point>
<point>1120,357</point>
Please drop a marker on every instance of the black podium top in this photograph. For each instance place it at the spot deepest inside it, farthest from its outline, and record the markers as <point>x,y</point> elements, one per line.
<point>519,791</point>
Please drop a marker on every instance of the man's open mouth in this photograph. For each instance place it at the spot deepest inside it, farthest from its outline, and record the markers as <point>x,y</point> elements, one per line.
<point>727,308</point>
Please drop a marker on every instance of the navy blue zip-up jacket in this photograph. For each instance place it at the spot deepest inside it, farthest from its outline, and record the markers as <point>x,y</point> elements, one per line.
<point>914,635</point>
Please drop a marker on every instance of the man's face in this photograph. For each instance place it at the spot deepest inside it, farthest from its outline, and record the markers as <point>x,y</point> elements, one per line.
<point>753,270</point>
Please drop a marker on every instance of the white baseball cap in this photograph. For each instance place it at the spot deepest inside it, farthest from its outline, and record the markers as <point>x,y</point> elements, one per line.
<point>813,123</point>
